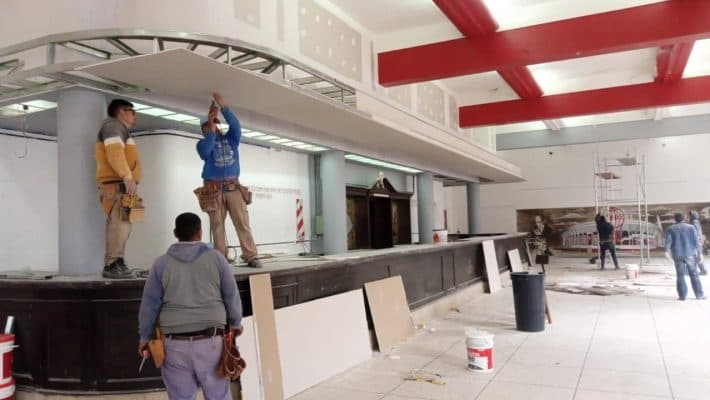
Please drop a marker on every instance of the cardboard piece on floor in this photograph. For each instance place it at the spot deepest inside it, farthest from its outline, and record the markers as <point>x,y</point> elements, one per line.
<point>492,272</point>
<point>515,264</point>
<point>321,338</point>
<point>262,302</point>
<point>390,311</point>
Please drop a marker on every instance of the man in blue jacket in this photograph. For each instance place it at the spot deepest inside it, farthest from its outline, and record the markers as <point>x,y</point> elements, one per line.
<point>220,174</point>
<point>682,246</point>
<point>191,294</point>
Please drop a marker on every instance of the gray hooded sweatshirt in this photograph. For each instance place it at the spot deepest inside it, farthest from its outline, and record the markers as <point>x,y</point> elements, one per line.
<point>190,288</point>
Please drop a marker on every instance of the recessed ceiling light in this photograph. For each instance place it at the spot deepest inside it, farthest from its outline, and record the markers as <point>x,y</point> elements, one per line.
<point>155,111</point>
<point>294,144</point>
<point>378,163</point>
<point>269,137</point>
<point>181,117</point>
<point>253,134</point>
<point>43,104</point>
<point>139,106</point>
<point>280,141</point>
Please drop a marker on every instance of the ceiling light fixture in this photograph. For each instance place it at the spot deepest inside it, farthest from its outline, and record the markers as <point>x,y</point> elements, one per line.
<point>378,163</point>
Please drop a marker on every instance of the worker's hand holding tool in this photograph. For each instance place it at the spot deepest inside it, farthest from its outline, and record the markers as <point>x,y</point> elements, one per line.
<point>144,354</point>
<point>218,99</point>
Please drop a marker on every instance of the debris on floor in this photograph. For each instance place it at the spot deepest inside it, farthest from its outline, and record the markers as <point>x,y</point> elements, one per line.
<point>593,288</point>
<point>425,376</point>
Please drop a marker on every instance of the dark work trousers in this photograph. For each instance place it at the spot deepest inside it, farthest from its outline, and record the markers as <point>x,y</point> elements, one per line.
<point>603,247</point>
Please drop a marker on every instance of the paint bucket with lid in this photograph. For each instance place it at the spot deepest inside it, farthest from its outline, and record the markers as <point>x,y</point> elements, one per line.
<point>7,345</point>
<point>479,350</point>
<point>632,271</point>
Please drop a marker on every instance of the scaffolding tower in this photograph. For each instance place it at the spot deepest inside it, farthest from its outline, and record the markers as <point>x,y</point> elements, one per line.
<point>612,189</point>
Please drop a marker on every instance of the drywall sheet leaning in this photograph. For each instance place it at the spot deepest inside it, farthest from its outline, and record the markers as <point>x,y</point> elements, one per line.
<point>251,378</point>
<point>515,264</point>
<point>262,302</point>
<point>321,338</point>
<point>492,272</point>
<point>390,311</point>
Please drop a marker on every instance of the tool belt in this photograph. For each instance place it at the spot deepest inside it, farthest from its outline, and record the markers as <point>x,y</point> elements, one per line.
<point>157,348</point>
<point>132,209</point>
<point>208,195</point>
<point>231,364</point>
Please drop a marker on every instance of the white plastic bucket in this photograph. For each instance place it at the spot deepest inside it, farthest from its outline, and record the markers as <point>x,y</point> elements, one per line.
<point>441,235</point>
<point>479,349</point>
<point>632,271</point>
<point>7,344</point>
<point>7,390</point>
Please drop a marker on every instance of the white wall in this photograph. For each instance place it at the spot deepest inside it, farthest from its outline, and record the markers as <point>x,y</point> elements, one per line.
<point>28,204</point>
<point>172,168</point>
<point>455,204</point>
<point>563,177</point>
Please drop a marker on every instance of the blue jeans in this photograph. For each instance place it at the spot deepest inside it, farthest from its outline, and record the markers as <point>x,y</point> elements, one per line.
<point>189,364</point>
<point>689,265</point>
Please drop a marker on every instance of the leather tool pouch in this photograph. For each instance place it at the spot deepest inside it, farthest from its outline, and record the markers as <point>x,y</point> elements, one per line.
<point>108,196</point>
<point>246,194</point>
<point>207,197</point>
<point>231,364</point>
<point>132,209</point>
<point>157,348</point>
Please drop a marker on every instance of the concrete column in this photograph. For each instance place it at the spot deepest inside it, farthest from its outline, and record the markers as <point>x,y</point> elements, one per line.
<point>81,221</point>
<point>473,191</point>
<point>332,174</point>
<point>425,206</point>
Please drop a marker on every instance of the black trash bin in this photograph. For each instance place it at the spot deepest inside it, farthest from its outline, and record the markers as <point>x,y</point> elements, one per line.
<point>529,295</point>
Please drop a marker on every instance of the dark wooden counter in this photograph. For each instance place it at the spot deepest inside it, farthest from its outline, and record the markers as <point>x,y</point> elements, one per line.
<point>79,335</point>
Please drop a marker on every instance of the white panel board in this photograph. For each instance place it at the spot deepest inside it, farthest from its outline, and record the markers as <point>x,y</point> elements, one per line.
<point>183,73</point>
<point>489,254</point>
<point>320,339</point>
<point>251,379</point>
<point>515,264</point>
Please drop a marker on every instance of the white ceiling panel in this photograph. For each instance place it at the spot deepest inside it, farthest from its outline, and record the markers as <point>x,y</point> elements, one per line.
<point>172,74</point>
<point>699,61</point>
<point>596,72</point>
<point>599,119</point>
<point>520,127</point>
<point>383,16</point>
<point>487,87</point>
<point>511,14</point>
<point>686,111</point>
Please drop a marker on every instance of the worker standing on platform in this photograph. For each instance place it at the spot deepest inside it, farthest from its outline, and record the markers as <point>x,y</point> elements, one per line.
<point>682,247</point>
<point>222,192</point>
<point>190,294</point>
<point>118,172</point>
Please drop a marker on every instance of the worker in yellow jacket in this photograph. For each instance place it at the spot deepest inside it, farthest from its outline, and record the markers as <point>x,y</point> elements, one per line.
<point>118,172</point>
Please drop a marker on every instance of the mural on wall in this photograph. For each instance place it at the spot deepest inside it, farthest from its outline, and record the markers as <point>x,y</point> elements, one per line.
<point>572,230</point>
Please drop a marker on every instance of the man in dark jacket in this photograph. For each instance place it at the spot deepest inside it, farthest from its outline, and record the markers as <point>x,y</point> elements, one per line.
<point>682,246</point>
<point>191,294</point>
<point>606,240</point>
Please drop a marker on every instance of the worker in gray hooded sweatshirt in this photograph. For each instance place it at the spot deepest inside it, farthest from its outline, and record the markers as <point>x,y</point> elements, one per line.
<point>191,294</point>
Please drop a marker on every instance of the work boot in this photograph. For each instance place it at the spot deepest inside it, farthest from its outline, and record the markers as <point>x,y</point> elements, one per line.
<point>254,263</point>
<point>114,271</point>
<point>122,266</point>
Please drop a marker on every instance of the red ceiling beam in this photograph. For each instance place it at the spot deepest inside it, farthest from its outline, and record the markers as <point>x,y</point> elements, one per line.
<point>671,61</point>
<point>654,25</point>
<point>473,19</point>
<point>622,98</point>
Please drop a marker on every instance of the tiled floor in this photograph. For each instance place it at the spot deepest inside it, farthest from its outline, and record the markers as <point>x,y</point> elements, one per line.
<point>647,346</point>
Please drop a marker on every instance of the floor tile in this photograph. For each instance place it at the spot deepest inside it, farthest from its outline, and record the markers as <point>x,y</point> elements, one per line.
<point>518,391</point>
<point>596,395</point>
<point>690,387</point>
<point>540,375</point>
<point>459,388</point>
<point>644,363</point>
<point>367,381</point>
<point>324,393</point>
<point>625,382</point>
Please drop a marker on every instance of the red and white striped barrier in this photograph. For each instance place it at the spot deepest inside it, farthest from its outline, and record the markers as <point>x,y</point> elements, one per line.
<point>300,226</point>
<point>7,345</point>
<point>7,390</point>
